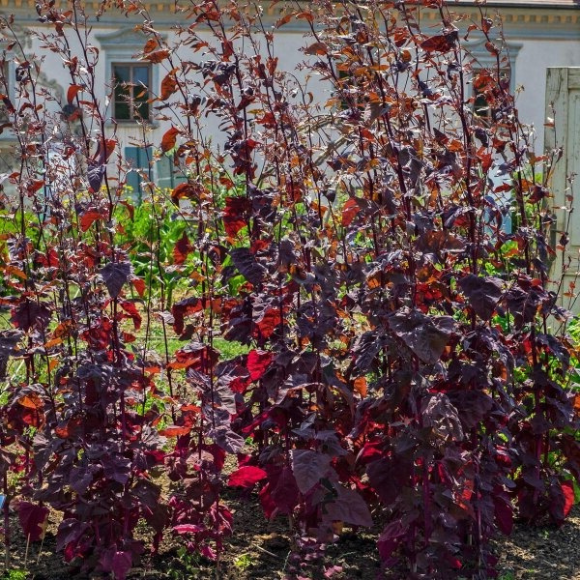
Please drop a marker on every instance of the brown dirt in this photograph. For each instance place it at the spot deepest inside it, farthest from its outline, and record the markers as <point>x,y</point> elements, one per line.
<point>262,550</point>
<point>543,553</point>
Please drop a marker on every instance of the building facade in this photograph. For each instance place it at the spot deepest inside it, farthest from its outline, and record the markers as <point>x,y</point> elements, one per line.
<point>538,35</point>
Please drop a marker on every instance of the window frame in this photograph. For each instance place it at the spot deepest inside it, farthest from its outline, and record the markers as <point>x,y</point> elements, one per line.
<point>483,60</point>
<point>121,47</point>
<point>133,88</point>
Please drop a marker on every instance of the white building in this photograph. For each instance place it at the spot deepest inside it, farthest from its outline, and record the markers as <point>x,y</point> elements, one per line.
<point>539,34</point>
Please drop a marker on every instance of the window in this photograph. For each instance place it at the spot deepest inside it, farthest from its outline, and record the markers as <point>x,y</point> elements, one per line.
<point>485,87</point>
<point>131,82</point>
<point>483,79</point>
<point>131,91</point>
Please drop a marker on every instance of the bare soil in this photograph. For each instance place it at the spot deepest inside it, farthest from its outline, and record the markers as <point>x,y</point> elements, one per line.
<point>263,550</point>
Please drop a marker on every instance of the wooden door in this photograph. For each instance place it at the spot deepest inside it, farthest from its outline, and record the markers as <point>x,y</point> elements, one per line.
<point>562,129</point>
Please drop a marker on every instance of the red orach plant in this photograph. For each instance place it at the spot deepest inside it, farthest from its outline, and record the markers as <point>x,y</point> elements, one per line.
<point>400,368</point>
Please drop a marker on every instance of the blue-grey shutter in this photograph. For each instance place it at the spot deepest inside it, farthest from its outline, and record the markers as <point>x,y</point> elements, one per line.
<point>167,176</point>
<point>132,158</point>
<point>136,158</point>
<point>165,172</point>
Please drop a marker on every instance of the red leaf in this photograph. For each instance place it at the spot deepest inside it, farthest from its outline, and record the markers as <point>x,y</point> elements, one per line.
<point>284,20</point>
<point>157,56</point>
<point>236,214</point>
<point>568,494</point>
<point>268,504</point>
<point>169,139</point>
<point>185,191</point>
<point>130,207</point>
<point>239,385</point>
<point>440,43</point>
<point>195,355</point>
<point>89,217</point>
<point>268,323</point>
<point>184,308</point>
<point>131,309</point>
<point>150,46</point>
<point>175,430</point>
<point>34,185</point>
<point>246,476</point>
<point>258,363</point>
<point>72,92</point>
<point>318,48</point>
<point>188,529</point>
<point>33,520</point>
<point>69,428</point>
<point>31,401</point>
<point>182,249</point>
<point>139,285</point>
<point>168,86</point>
<point>349,211</point>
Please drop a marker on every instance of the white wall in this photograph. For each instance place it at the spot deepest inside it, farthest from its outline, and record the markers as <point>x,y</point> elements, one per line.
<point>533,59</point>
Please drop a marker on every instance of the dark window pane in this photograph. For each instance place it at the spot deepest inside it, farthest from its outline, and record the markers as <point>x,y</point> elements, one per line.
<point>122,111</point>
<point>481,106</point>
<point>142,110</point>
<point>122,93</point>
<point>121,73</point>
<point>141,94</point>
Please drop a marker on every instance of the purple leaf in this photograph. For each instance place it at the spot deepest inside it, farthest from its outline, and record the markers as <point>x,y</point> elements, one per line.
<point>284,492</point>
<point>119,563</point>
<point>389,477</point>
<point>29,314</point>
<point>227,439</point>
<point>70,531</point>
<point>80,479</point>
<point>389,540</point>
<point>503,512</point>
<point>349,507</point>
<point>32,519</point>
<point>483,293</point>
<point>115,275</point>
<point>309,468</point>
<point>95,175</point>
<point>246,263</point>
<point>426,336</point>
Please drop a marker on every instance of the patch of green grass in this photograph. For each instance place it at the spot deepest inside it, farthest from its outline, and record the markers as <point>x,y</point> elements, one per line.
<point>230,348</point>
<point>15,574</point>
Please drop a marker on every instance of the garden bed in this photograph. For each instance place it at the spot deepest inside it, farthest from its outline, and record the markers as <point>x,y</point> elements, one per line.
<point>261,550</point>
